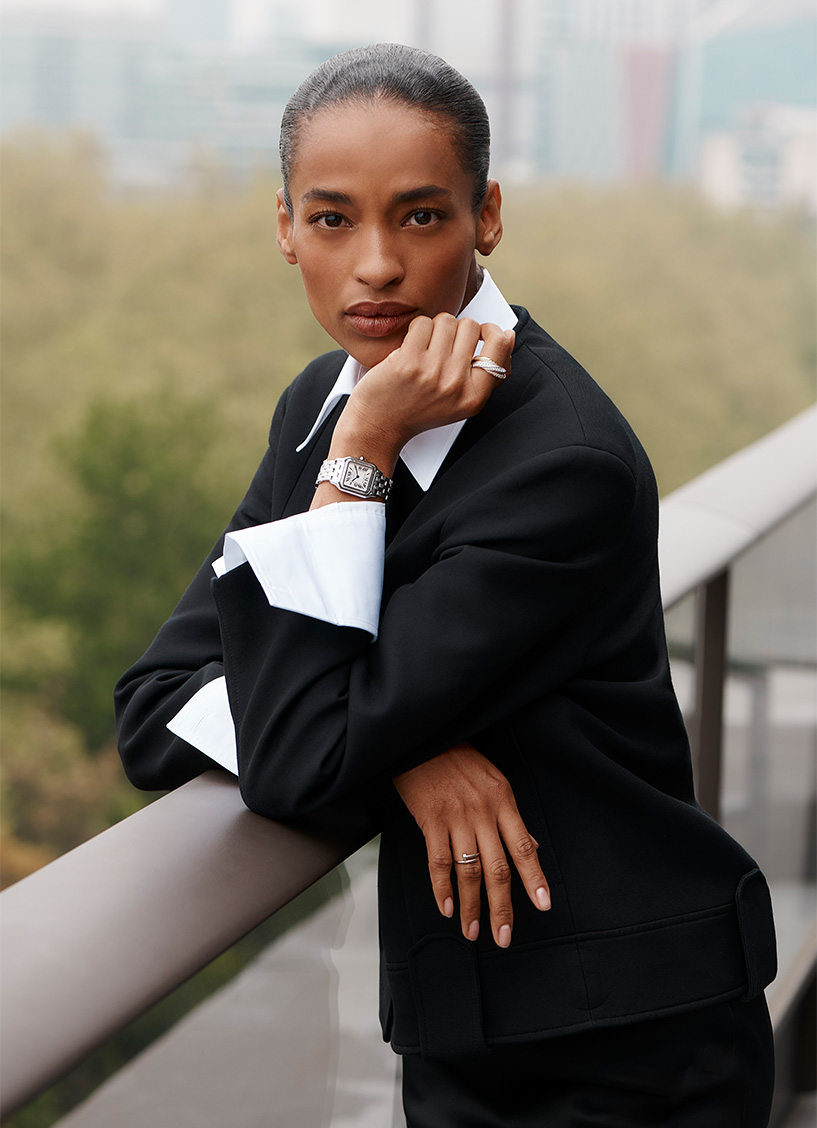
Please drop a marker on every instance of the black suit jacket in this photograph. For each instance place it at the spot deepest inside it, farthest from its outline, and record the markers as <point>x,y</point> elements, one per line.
<point>521,611</point>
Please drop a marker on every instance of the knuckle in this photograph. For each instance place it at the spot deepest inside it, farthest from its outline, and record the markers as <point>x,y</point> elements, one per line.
<point>439,861</point>
<point>500,871</point>
<point>525,847</point>
<point>471,874</point>
<point>501,791</point>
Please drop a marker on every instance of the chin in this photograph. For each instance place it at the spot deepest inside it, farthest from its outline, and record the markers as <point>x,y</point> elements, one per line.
<point>370,353</point>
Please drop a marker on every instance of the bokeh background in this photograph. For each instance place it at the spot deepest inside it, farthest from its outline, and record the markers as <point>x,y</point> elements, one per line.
<point>659,162</point>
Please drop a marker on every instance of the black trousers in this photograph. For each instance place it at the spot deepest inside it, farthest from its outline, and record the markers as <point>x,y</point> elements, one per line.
<point>709,1068</point>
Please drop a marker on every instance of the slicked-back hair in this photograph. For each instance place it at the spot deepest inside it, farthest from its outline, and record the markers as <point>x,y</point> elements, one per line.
<point>406,75</point>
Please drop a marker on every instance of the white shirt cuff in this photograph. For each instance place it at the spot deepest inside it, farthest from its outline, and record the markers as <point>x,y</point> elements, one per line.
<point>207,723</point>
<point>327,563</point>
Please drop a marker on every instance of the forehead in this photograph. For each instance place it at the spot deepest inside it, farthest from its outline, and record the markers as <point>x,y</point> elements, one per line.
<point>348,146</point>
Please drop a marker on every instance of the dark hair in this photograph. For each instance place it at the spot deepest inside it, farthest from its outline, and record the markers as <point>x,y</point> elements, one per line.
<point>402,74</point>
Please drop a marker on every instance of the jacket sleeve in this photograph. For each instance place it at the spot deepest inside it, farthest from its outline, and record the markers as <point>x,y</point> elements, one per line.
<point>184,656</point>
<point>501,615</point>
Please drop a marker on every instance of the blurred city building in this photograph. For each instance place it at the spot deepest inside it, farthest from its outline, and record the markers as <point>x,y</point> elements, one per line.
<point>718,92</point>
<point>160,94</point>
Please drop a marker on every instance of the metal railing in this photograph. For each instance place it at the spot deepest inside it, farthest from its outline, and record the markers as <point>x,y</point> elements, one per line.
<point>93,939</point>
<point>705,526</point>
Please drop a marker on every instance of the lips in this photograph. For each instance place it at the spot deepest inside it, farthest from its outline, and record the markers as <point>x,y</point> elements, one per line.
<point>379,319</point>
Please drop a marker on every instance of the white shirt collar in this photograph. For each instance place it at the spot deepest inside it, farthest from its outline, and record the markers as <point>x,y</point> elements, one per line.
<point>425,453</point>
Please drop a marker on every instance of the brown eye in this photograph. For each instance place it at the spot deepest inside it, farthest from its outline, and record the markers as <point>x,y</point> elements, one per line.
<point>423,218</point>
<point>327,219</point>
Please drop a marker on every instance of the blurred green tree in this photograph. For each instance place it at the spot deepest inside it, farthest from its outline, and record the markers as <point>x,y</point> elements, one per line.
<point>151,496</point>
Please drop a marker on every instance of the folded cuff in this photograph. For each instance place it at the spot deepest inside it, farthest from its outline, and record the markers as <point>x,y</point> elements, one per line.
<point>327,563</point>
<point>206,722</point>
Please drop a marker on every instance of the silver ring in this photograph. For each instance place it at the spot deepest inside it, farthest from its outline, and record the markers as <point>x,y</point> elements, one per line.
<point>491,366</point>
<point>467,859</point>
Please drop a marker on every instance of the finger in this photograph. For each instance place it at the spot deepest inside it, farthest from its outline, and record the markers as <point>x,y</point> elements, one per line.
<point>469,887</point>
<point>439,868</point>
<point>443,332</point>
<point>522,849</point>
<point>497,875</point>
<point>497,344</point>
<point>466,341</point>
<point>418,334</point>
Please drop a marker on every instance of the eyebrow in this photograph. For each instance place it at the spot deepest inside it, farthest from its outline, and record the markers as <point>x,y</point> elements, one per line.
<point>411,196</point>
<point>325,194</point>
<point>423,193</point>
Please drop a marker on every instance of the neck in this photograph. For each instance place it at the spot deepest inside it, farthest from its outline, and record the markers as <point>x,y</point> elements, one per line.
<point>474,283</point>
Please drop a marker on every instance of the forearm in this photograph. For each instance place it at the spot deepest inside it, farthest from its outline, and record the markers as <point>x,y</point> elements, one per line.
<point>353,437</point>
<point>468,637</point>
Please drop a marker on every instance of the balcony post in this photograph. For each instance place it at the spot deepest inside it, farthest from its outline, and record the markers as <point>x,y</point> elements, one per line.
<point>710,674</point>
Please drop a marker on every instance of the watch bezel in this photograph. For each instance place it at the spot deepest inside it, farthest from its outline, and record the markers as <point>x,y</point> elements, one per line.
<point>348,487</point>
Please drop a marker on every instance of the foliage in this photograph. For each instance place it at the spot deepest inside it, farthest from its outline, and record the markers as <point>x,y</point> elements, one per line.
<point>151,496</point>
<point>699,324</point>
<point>53,795</point>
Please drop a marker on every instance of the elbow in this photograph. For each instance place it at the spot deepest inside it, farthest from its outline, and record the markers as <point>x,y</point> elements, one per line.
<point>321,813</point>
<point>275,801</point>
<point>286,788</point>
<point>148,774</point>
<point>157,761</point>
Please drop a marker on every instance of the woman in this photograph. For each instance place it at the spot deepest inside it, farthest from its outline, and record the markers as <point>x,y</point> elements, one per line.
<point>452,632</point>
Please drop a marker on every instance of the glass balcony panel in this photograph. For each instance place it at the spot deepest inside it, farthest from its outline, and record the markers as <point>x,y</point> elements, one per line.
<point>770,724</point>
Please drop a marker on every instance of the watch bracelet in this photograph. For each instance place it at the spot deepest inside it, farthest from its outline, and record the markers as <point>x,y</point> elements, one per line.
<point>332,471</point>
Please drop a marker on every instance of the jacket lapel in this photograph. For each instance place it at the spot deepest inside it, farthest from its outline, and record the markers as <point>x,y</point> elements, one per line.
<point>303,487</point>
<point>474,449</point>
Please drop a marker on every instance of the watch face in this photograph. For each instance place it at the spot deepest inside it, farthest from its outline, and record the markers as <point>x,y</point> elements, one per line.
<point>357,477</point>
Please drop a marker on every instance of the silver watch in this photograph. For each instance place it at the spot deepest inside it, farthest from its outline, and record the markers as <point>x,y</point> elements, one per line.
<point>355,476</point>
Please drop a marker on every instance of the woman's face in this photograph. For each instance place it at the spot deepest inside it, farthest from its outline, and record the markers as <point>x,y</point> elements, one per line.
<point>383,227</point>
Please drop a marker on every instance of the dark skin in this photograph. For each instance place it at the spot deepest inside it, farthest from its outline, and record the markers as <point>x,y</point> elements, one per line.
<point>384,232</point>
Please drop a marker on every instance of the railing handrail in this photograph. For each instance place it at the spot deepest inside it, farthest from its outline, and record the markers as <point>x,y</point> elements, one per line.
<point>93,939</point>
<point>724,511</point>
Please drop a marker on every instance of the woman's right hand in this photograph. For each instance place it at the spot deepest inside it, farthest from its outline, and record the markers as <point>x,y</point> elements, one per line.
<point>427,382</point>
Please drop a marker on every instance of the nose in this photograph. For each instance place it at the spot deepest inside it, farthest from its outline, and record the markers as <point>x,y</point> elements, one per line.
<point>378,263</point>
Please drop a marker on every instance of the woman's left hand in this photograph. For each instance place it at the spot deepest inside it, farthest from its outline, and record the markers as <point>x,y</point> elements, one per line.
<point>465,806</point>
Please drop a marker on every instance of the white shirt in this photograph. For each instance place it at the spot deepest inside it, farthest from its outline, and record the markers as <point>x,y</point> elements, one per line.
<point>326,563</point>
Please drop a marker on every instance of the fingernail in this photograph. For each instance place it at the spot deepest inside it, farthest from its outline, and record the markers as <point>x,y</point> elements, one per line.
<point>504,936</point>
<point>473,930</point>
<point>542,898</point>
<point>448,907</point>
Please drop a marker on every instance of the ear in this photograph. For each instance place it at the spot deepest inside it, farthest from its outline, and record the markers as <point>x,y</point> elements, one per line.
<point>284,235</point>
<point>489,221</point>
